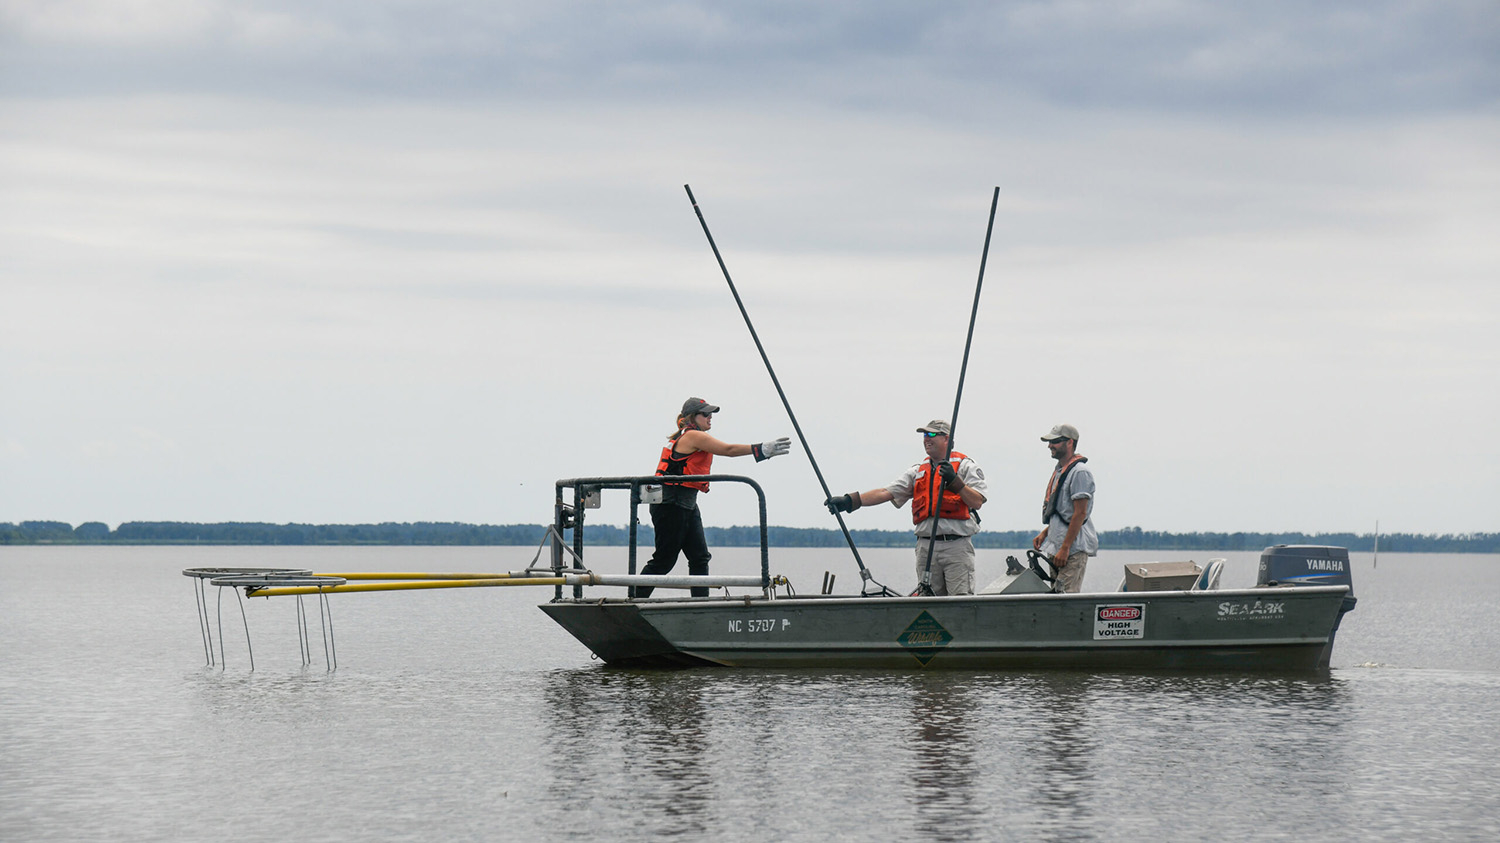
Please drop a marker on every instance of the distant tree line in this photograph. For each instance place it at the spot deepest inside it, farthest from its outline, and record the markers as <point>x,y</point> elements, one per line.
<point>443,533</point>
<point>244,532</point>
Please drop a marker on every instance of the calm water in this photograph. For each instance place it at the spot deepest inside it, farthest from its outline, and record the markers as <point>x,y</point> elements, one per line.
<point>466,715</point>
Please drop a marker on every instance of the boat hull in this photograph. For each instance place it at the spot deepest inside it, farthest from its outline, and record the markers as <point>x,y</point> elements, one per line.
<point>1262,629</point>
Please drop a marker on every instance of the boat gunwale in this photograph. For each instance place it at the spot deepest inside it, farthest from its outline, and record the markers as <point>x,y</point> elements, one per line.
<point>745,601</point>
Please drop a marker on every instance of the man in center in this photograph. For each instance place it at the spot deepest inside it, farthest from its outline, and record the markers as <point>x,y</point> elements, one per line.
<point>948,507</point>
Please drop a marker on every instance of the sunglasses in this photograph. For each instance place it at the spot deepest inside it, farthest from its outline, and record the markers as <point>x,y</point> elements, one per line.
<point>932,435</point>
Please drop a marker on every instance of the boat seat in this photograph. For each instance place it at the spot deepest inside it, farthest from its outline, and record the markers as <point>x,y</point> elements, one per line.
<point>1209,579</point>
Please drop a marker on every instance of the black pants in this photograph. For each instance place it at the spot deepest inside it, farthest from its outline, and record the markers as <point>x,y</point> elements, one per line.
<point>678,530</point>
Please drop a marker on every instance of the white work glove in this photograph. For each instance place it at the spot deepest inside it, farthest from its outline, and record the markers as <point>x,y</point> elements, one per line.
<point>774,448</point>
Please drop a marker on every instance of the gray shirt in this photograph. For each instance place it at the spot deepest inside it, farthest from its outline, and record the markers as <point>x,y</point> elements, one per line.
<point>1080,486</point>
<point>973,477</point>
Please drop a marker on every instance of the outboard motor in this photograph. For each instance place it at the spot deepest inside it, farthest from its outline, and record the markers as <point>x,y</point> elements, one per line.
<point>1304,564</point>
<point>1309,564</point>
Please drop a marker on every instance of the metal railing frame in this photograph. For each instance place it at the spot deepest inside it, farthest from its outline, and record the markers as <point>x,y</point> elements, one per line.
<point>566,515</point>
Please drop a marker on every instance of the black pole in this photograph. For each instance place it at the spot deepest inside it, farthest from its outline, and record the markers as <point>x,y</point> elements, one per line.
<point>925,587</point>
<point>863,571</point>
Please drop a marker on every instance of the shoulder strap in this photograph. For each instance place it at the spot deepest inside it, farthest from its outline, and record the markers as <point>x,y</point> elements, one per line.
<point>1062,481</point>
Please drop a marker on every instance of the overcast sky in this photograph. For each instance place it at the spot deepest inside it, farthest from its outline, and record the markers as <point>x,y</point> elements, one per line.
<point>399,261</point>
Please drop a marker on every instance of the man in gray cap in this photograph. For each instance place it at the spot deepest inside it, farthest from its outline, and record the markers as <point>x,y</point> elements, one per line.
<point>950,507</point>
<point>1069,537</point>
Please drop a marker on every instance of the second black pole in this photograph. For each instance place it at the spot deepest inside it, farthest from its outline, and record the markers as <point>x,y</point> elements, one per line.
<point>925,587</point>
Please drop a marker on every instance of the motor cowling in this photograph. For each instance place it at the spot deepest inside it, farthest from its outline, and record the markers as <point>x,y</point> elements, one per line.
<point>1305,564</point>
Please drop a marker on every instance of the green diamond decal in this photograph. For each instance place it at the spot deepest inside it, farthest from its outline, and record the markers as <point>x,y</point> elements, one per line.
<point>924,638</point>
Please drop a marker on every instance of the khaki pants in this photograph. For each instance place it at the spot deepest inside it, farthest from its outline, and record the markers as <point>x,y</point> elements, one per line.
<point>1070,576</point>
<point>952,565</point>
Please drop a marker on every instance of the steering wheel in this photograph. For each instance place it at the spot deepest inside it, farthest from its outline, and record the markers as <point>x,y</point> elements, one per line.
<point>1038,560</point>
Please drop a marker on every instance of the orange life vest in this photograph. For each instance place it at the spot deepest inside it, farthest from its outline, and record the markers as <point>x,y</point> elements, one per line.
<point>952,506</point>
<point>677,465</point>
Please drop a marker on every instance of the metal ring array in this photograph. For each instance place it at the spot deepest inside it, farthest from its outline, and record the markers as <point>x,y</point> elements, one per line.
<point>210,573</point>
<point>253,578</point>
<point>275,579</point>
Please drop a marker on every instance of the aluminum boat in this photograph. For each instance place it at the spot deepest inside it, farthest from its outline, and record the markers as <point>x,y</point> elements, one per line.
<point>1169,616</point>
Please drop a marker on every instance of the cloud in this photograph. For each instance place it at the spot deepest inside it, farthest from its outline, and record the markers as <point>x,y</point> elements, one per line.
<point>954,61</point>
<point>10,449</point>
<point>405,261</point>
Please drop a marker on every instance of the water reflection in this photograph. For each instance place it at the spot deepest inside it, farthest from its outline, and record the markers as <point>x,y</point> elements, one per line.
<point>943,756</point>
<point>652,724</point>
<point>1095,756</point>
<point>1064,713</point>
<point>943,781</point>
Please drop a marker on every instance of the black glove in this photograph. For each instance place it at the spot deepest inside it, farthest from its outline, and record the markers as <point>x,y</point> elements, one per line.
<point>951,481</point>
<point>843,503</point>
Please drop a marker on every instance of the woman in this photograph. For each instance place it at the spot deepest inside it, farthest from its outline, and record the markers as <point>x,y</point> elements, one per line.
<point>677,521</point>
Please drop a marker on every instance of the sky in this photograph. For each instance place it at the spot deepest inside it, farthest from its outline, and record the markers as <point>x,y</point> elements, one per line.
<point>328,262</point>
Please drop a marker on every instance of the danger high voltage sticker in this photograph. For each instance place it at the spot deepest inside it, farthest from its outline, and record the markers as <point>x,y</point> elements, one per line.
<point>1119,621</point>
